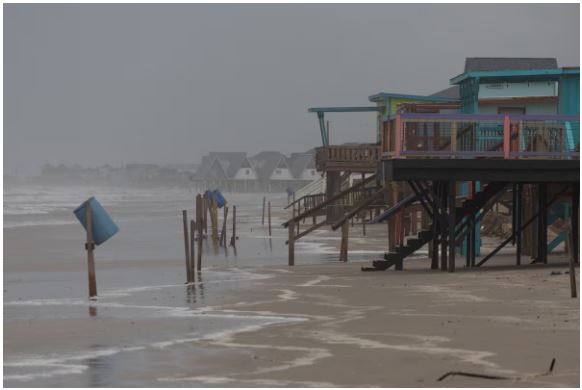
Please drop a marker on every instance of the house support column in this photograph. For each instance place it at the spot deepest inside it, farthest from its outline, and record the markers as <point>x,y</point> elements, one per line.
<point>517,209</point>
<point>452,195</point>
<point>542,224</point>
<point>575,221</point>
<point>444,225</point>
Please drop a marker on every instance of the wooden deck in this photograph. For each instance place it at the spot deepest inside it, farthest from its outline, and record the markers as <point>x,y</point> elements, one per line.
<point>350,158</point>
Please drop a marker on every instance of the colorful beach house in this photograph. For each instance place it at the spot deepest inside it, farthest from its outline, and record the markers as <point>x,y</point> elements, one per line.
<point>506,128</point>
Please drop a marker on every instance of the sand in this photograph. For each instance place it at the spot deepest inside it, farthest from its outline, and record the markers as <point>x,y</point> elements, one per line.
<point>361,329</point>
<point>253,322</point>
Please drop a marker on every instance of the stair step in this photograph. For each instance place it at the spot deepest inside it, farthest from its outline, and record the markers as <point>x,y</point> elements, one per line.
<point>425,235</point>
<point>392,256</point>
<point>413,242</point>
<point>385,264</point>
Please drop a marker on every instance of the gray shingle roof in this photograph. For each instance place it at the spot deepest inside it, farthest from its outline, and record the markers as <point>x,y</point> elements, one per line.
<point>266,162</point>
<point>449,93</point>
<point>301,161</point>
<point>479,64</point>
<point>230,161</point>
<point>210,169</point>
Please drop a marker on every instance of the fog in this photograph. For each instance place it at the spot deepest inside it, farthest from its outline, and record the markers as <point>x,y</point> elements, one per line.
<point>118,84</point>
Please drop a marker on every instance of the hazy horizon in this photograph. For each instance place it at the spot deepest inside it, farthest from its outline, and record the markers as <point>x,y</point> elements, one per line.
<point>145,83</point>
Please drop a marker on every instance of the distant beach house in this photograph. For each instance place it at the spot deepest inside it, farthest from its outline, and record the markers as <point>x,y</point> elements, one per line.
<point>266,171</point>
<point>303,166</point>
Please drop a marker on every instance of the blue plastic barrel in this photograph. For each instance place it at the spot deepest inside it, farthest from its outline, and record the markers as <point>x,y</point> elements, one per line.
<point>216,195</point>
<point>220,201</point>
<point>103,226</point>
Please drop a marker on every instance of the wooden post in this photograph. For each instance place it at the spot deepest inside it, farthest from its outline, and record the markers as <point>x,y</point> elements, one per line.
<point>452,224</point>
<point>291,244</point>
<point>90,246</point>
<point>204,206</point>
<point>206,215</point>
<point>398,136</point>
<point>186,246</point>
<point>542,224</point>
<point>444,227</point>
<point>269,215</point>
<point>518,217</point>
<point>572,267</point>
<point>298,223</point>
<point>344,242</point>
<point>573,244</point>
<point>363,215</point>
<point>263,219</point>
<point>214,219</point>
<point>453,138</point>
<point>201,207</point>
<point>233,237</point>
<point>506,137</point>
<point>223,232</point>
<point>192,246</point>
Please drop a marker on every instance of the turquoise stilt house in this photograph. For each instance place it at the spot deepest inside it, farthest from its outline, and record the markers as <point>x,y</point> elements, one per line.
<point>519,86</point>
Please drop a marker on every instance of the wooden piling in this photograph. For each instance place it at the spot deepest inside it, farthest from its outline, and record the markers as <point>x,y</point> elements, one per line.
<point>574,240</point>
<point>291,243</point>
<point>572,266</point>
<point>204,206</point>
<point>201,211</point>
<point>191,266</point>
<point>452,223</point>
<point>186,245</point>
<point>223,231</point>
<point>214,219</point>
<point>90,246</point>
<point>233,237</point>
<point>263,219</point>
<point>363,222</point>
<point>269,218</point>
<point>344,242</point>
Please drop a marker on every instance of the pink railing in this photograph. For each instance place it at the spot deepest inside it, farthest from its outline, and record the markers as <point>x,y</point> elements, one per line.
<point>475,136</point>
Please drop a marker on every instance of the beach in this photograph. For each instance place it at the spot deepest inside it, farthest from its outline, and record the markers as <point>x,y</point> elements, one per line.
<point>251,321</point>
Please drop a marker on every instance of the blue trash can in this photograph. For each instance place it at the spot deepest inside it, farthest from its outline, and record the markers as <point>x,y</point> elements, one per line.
<point>103,226</point>
<point>220,201</point>
<point>216,195</point>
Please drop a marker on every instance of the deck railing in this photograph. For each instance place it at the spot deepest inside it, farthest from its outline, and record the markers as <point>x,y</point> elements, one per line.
<point>347,153</point>
<point>481,136</point>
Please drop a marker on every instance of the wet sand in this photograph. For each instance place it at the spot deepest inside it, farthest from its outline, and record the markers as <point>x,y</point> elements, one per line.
<point>333,325</point>
<point>250,321</point>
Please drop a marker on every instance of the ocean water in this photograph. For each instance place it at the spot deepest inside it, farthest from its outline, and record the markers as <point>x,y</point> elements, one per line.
<point>140,278</point>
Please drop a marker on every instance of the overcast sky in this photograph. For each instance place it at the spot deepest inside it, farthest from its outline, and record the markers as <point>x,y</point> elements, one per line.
<point>96,84</point>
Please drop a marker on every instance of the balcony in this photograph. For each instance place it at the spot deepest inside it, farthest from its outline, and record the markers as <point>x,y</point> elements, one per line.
<point>474,136</point>
<point>354,158</point>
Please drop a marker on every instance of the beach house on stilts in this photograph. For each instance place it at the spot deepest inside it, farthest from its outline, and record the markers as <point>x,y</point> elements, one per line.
<point>511,137</point>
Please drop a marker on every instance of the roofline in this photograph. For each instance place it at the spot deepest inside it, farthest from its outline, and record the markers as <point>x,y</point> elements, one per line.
<point>342,109</point>
<point>514,73</point>
<point>385,95</point>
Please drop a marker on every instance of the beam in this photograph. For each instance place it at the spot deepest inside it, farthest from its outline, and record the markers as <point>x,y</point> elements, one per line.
<point>359,207</point>
<point>420,193</point>
<point>330,200</point>
<point>344,109</point>
<point>526,224</point>
<point>307,231</point>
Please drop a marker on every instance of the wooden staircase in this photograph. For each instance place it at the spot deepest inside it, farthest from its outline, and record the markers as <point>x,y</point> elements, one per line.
<point>396,257</point>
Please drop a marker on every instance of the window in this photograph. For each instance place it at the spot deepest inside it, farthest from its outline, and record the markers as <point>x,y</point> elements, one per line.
<point>313,171</point>
<point>247,172</point>
<point>277,171</point>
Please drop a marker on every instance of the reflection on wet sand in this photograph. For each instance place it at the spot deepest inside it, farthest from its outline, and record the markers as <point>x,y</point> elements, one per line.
<point>99,369</point>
